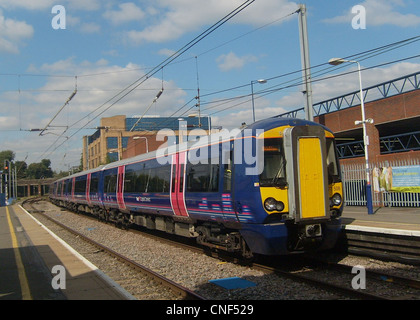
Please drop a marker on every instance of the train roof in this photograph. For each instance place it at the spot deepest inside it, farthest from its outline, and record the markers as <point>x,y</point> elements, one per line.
<point>266,124</point>
<point>276,121</point>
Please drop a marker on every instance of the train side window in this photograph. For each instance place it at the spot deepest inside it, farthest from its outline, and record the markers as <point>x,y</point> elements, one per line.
<point>173,177</point>
<point>181,178</point>
<point>159,179</point>
<point>111,183</point>
<point>203,177</point>
<point>94,183</point>
<point>80,186</point>
<point>66,187</point>
<point>332,162</point>
<point>130,181</point>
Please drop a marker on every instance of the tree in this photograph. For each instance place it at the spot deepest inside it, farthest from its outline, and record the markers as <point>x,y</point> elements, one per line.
<point>21,168</point>
<point>6,155</point>
<point>40,170</point>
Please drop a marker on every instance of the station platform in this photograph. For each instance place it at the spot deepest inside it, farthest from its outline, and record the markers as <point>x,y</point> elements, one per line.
<point>37,265</point>
<point>402,221</point>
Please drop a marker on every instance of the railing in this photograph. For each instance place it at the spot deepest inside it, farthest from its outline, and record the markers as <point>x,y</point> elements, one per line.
<point>354,178</point>
<point>389,144</point>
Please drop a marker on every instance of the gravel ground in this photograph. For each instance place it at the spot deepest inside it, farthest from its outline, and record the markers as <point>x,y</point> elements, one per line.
<point>190,269</point>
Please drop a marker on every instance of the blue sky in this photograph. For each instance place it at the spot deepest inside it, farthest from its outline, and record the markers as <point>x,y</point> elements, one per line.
<point>107,45</point>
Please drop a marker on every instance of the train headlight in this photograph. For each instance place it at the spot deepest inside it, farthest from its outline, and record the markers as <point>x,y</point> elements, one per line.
<point>272,204</point>
<point>336,200</point>
<point>279,206</point>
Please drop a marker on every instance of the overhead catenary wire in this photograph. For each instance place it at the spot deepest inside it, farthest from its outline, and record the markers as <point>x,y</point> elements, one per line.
<point>130,88</point>
<point>65,104</point>
<point>299,83</point>
<point>174,56</point>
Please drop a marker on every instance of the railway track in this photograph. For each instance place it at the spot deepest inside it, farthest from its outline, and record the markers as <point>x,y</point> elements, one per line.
<point>179,291</point>
<point>331,277</point>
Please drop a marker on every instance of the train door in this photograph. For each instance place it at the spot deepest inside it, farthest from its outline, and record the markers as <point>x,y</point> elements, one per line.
<point>311,182</point>
<point>226,174</point>
<point>110,177</point>
<point>72,184</point>
<point>177,194</point>
<point>305,150</point>
<point>88,180</point>
<point>120,187</point>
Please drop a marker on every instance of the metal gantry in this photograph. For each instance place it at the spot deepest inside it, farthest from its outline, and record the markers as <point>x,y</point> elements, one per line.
<point>389,144</point>
<point>380,91</point>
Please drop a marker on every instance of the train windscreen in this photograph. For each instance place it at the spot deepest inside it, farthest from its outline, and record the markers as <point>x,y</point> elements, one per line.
<point>274,172</point>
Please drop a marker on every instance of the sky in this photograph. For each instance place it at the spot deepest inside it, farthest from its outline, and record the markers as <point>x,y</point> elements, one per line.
<point>117,55</point>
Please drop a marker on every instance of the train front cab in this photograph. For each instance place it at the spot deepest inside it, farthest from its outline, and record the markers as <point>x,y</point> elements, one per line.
<point>301,192</point>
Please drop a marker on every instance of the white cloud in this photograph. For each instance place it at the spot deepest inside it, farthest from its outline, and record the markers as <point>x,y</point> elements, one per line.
<point>231,61</point>
<point>166,52</point>
<point>97,82</point>
<point>381,12</point>
<point>27,4</point>
<point>90,27</point>
<point>127,12</point>
<point>45,4</point>
<point>12,32</point>
<point>181,16</point>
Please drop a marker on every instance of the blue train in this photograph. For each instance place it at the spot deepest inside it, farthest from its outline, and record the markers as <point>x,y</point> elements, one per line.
<point>271,188</point>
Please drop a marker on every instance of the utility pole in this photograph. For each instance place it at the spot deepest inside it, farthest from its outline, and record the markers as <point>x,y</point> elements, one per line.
<point>306,66</point>
<point>6,167</point>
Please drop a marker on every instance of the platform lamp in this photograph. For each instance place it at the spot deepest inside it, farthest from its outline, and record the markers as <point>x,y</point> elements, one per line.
<point>252,95</point>
<point>336,62</point>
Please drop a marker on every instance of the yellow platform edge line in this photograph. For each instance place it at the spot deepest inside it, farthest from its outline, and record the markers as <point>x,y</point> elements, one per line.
<point>26,292</point>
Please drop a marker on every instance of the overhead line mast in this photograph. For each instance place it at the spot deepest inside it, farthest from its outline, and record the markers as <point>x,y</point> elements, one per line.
<point>306,65</point>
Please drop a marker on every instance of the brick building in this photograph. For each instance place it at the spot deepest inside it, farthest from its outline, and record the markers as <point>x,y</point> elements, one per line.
<point>394,107</point>
<point>393,138</point>
<point>119,137</point>
<point>396,123</point>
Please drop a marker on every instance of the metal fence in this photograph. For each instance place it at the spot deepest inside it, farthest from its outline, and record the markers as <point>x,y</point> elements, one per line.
<point>354,178</point>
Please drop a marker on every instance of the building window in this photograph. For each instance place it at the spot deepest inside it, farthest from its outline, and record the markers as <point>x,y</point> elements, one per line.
<point>124,142</point>
<point>111,142</point>
<point>112,156</point>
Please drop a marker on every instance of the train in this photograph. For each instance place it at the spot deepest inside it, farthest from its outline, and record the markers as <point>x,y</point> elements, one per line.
<point>271,188</point>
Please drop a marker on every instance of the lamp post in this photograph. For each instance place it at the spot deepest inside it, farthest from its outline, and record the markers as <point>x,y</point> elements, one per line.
<point>147,143</point>
<point>336,62</point>
<point>252,95</point>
